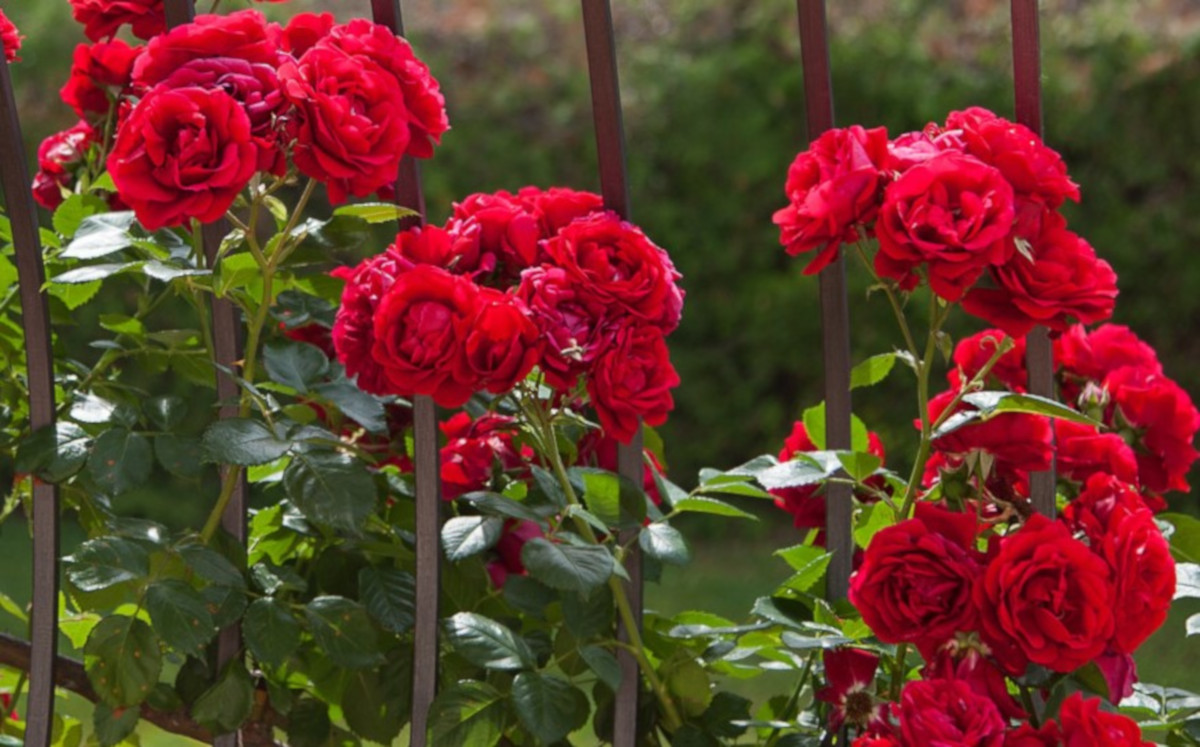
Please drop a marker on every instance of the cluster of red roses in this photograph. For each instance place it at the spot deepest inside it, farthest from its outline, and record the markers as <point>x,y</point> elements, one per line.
<point>10,39</point>
<point>545,278</point>
<point>201,109</point>
<point>975,200</point>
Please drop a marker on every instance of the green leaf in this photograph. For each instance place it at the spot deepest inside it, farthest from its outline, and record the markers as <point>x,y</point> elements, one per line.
<point>12,608</point>
<point>687,680</point>
<point>180,616</point>
<point>486,643</point>
<point>120,460</point>
<point>464,536</point>
<point>228,703</point>
<point>874,518</point>
<point>612,498</point>
<point>331,489</point>
<point>588,616</point>
<point>166,412</point>
<point>272,632</point>
<point>858,465</point>
<point>371,707</point>
<point>872,371</point>
<point>664,543</point>
<point>111,727</point>
<point>550,708</point>
<point>375,212</point>
<point>528,595</point>
<point>1185,536</point>
<point>294,364</point>
<point>212,566</point>
<point>389,595</point>
<point>106,561</point>
<point>123,660</point>
<point>96,235</point>
<point>74,296</point>
<point>567,567</point>
<point>1192,625</point>
<point>165,273</point>
<point>343,631</point>
<point>308,724</point>
<point>179,455</point>
<point>91,409</point>
<point>549,486</point>
<point>54,453</point>
<point>467,714</point>
<point>242,441</point>
<point>809,571</point>
<point>236,271</point>
<point>1187,581</point>
<point>93,273</point>
<point>990,404</point>
<point>725,709</point>
<point>809,468</point>
<point>362,408</point>
<point>814,423</point>
<point>704,505</point>
<point>495,504</point>
<point>604,664</point>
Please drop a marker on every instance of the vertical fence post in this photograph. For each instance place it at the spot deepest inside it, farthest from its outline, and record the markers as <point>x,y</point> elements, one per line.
<point>227,351</point>
<point>427,467</point>
<point>1027,89</point>
<point>614,186</point>
<point>35,319</point>
<point>835,313</point>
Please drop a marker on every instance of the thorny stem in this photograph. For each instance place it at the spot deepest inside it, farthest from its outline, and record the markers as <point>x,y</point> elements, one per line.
<point>624,608</point>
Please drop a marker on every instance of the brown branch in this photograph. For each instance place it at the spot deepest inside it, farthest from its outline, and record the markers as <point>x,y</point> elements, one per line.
<point>69,674</point>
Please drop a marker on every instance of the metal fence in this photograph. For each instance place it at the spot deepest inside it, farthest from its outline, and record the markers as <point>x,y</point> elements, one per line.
<point>44,665</point>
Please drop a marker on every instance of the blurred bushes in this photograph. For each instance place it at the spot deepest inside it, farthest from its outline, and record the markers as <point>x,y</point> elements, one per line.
<point>714,113</point>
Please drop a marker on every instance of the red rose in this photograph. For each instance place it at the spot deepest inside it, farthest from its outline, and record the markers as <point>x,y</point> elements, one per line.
<point>501,344</point>
<point>556,207</point>
<point>973,352</point>
<point>832,189</point>
<point>912,148</point>
<point>302,32</point>
<point>1027,736</point>
<point>1081,451</point>
<point>1103,504</point>
<point>952,214</point>
<point>917,578</point>
<point>182,153</point>
<point>508,550</point>
<point>1084,724</point>
<point>58,155</point>
<point>99,73</point>
<point>633,379</point>
<point>10,39</point>
<point>354,325</point>
<point>508,232</point>
<point>571,323</point>
<point>473,448</point>
<point>1081,354</point>
<point>241,35</point>
<point>1047,595</point>
<point>877,740</point>
<point>312,333</point>
<point>422,99</point>
<point>981,675</point>
<point>850,678</point>
<point>616,265</point>
<point>1120,674</point>
<point>102,19</point>
<point>420,331</point>
<point>1018,441</point>
<point>255,86</point>
<point>806,503</point>
<point>948,713</point>
<point>453,251</point>
<point>1061,281</point>
<point>1163,420</point>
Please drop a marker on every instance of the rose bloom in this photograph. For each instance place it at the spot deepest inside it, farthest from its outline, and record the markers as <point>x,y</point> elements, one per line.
<point>985,678</point>
<point>572,324</point>
<point>972,353</point>
<point>948,713</point>
<point>1062,282</point>
<point>1090,355</point>
<point>182,153</point>
<point>473,448</point>
<point>354,325</point>
<point>952,214</point>
<point>241,35</point>
<point>1164,422</point>
<point>1018,441</point>
<point>456,252</point>
<point>1027,736</point>
<point>507,232</point>
<point>58,155</point>
<point>422,98</point>
<point>832,189</point>
<point>917,578</point>
<point>501,345</point>
<point>421,325</point>
<point>255,86</point>
<point>99,73</point>
<point>1081,451</point>
<point>631,380</point>
<point>302,32</point>
<point>912,148</point>
<point>10,38</point>
<point>102,19</point>
<point>877,740</point>
<point>508,550</point>
<point>850,678</point>
<point>616,265</point>
<point>805,503</point>
<point>557,207</point>
<point>1046,596</point>
<point>1084,724</point>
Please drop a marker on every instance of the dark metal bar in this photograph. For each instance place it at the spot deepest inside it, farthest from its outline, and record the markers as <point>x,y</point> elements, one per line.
<point>35,319</point>
<point>427,464</point>
<point>1027,90</point>
<point>614,186</point>
<point>178,12</point>
<point>835,312</point>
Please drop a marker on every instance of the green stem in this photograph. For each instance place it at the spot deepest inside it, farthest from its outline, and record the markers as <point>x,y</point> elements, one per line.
<point>17,693</point>
<point>624,608</point>
<point>1005,345</point>
<point>790,708</point>
<point>1027,700</point>
<point>897,309</point>
<point>899,672</point>
<point>924,366</point>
